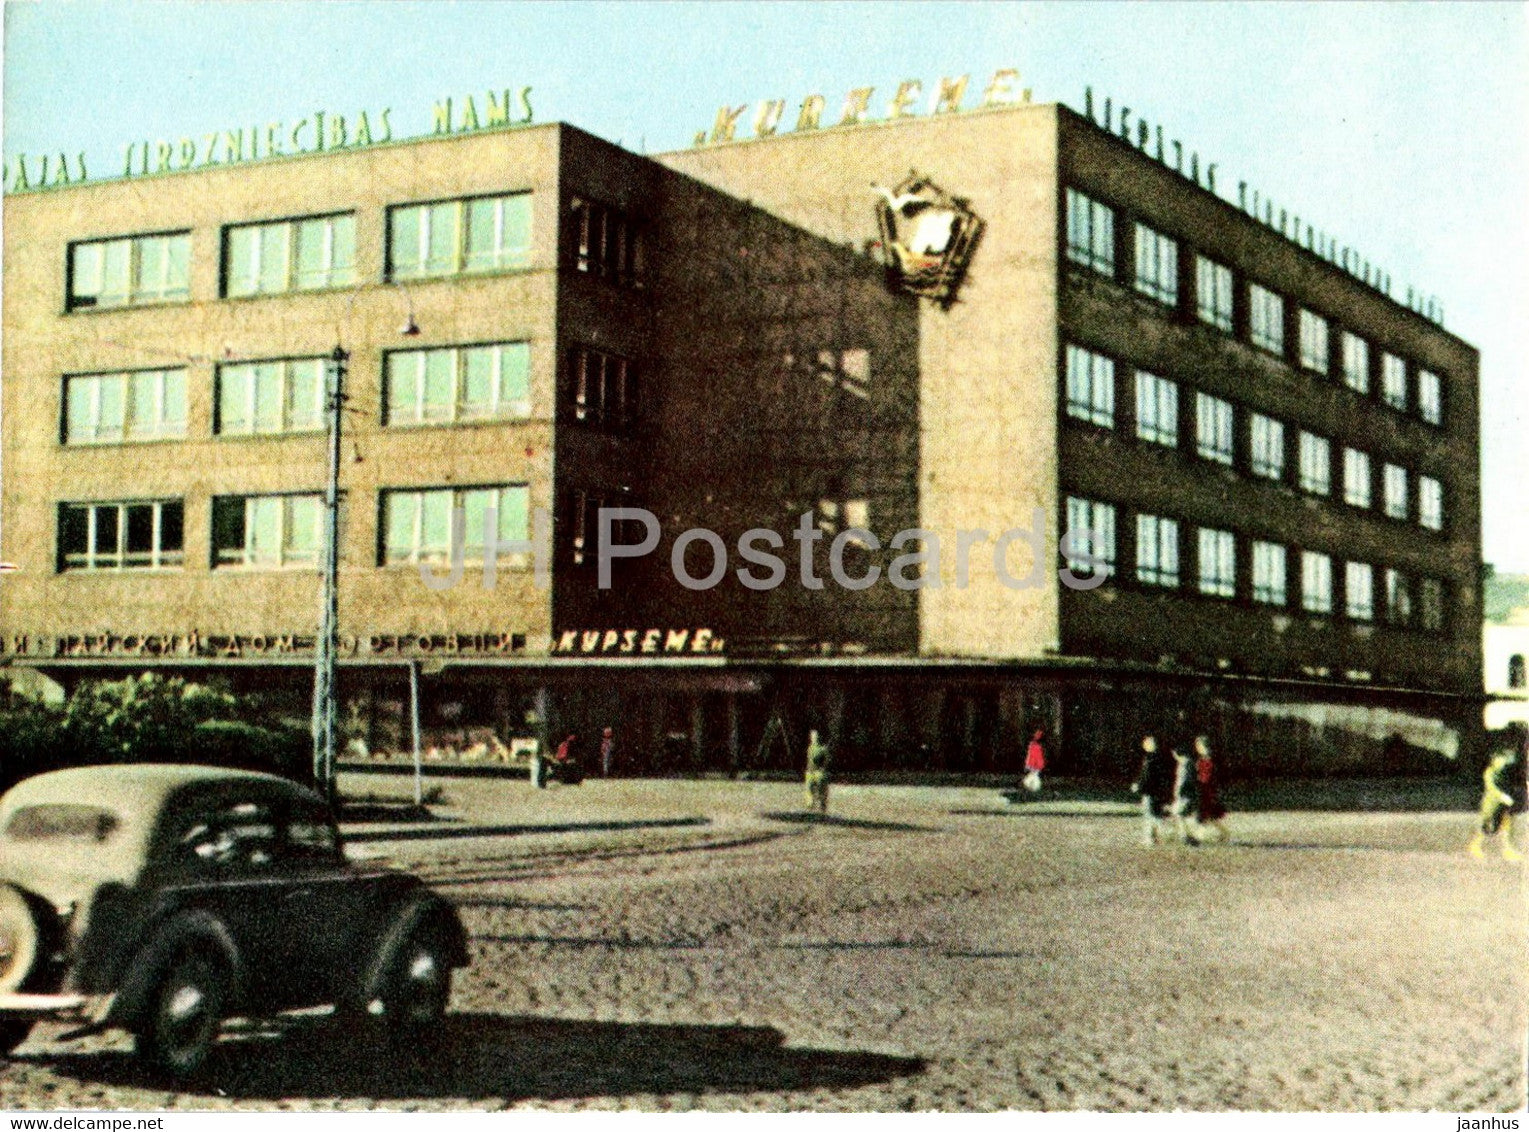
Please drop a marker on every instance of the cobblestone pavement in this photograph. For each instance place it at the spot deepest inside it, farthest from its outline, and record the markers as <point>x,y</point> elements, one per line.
<point>922,949</point>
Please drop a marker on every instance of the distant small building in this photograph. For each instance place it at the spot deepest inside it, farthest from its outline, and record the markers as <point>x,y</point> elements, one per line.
<point>1505,650</point>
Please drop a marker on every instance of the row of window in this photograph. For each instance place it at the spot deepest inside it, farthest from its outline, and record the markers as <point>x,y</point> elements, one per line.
<point>1400,599</point>
<point>282,531</point>
<point>467,236</point>
<point>1263,440</point>
<point>440,385</point>
<point>1091,242</point>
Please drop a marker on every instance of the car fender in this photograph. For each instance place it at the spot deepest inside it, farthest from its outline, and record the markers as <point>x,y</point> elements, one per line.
<point>398,923</point>
<point>169,939</point>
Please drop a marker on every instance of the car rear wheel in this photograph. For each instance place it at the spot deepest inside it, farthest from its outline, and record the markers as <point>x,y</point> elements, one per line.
<point>20,941</point>
<point>185,1014</point>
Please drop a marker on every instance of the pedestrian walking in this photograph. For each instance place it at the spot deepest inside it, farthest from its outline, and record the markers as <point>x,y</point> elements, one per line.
<point>818,759</point>
<point>1180,800</point>
<point>1500,783</point>
<point>1154,783</point>
<point>1035,762</point>
<point>607,752</point>
<point>1212,811</point>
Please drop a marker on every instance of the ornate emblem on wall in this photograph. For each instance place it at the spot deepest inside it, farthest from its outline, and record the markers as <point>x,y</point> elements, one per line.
<point>927,237</point>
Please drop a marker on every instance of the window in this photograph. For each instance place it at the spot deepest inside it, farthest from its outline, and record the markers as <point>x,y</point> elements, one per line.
<point>1213,293</point>
<point>1356,363</point>
<point>130,271</point>
<point>267,531</point>
<point>1268,447</point>
<point>1431,604</point>
<point>110,408</point>
<point>1090,387</point>
<point>1430,399</point>
<point>606,243</point>
<point>417,524</point>
<point>1316,582</point>
<point>1395,492</point>
<point>584,521</point>
<point>289,255</point>
<point>1356,477</point>
<point>1157,265</point>
<point>272,397</point>
<point>1157,550</point>
<point>64,822</point>
<point>1314,354</point>
<point>459,383</point>
<point>1359,591</point>
<point>1157,409</point>
<point>1430,503</point>
<point>1393,381</point>
<point>121,536</point>
<point>459,237</point>
<point>1266,319</point>
<point>1516,676</point>
<point>1316,471</point>
<point>1268,573</point>
<point>1091,527</point>
<point>1213,428</point>
<point>604,389</point>
<point>1218,563</point>
<point>1398,598</point>
<point>1090,233</point>
<point>238,836</point>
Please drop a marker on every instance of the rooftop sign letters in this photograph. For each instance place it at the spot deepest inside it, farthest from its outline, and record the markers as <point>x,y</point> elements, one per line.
<point>946,97</point>
<point>319,132</point>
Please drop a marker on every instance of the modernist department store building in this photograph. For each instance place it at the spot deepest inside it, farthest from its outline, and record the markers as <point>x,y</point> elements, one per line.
<point>1032,317</point>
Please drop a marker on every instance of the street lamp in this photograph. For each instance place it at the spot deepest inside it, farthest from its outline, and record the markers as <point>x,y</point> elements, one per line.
<point>326,651</point>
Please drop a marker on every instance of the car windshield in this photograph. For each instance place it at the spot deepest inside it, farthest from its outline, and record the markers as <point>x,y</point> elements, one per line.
<point>62,821</point>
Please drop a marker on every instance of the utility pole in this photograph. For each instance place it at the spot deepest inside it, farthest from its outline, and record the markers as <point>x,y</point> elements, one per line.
<point>325,698</point>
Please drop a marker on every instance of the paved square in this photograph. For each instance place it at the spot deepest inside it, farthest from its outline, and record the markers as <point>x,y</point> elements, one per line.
<point>926,948</point>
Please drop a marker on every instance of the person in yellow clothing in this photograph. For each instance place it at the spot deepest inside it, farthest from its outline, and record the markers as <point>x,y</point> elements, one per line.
<point>1497,802</point>
<point>817,773</point>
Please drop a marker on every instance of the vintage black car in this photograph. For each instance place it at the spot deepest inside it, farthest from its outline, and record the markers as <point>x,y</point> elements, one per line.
<point>164,899</point>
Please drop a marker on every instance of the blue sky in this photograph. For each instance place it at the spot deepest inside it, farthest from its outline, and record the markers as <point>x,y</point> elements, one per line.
<point>1399,128</point>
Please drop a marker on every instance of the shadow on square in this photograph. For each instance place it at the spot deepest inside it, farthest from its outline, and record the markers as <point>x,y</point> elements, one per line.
<point>512,1058</point>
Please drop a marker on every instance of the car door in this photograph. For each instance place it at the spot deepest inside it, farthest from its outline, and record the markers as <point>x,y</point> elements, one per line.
<point>329,901</point>
<point>231,861</point>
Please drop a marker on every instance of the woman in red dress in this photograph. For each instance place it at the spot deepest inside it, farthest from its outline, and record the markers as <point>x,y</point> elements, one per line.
<point>1212,814</point>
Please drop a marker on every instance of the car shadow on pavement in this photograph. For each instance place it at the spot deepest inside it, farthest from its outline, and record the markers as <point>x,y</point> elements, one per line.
<point>807,817</point>
<point>513,830</point>
<point>477,1057</point>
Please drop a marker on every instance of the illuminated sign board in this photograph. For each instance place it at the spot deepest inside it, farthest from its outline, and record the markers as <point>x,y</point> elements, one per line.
<point>321,131</point>
<point>637,642</point>
<point>858,109</point>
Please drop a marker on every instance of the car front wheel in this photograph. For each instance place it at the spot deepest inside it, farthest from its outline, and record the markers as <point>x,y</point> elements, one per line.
<point>185,1014</point>
<point>419,983</point>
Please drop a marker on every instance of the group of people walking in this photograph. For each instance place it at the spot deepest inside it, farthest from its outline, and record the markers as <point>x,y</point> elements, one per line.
<point>1180,792</point>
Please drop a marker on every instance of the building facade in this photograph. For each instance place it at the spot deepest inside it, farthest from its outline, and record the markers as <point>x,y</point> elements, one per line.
<point>1275,463</point>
